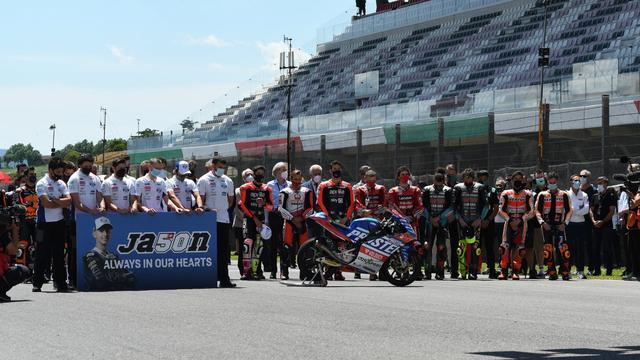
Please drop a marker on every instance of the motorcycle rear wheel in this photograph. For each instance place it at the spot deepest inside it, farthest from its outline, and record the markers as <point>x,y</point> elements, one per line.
<point>399,274</point>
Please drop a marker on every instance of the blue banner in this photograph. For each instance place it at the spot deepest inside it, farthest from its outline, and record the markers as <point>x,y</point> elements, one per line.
<point>142,252</point>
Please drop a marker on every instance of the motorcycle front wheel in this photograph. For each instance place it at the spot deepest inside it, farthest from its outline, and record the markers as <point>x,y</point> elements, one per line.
<point>400,272</point>
<point>310,263</point>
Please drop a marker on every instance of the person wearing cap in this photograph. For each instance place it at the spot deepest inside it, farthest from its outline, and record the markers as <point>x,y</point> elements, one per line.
<point>118,189</point>
<point>602,211</point>
<point>216,188</point>
<point>53,195</point>
<point>183,191</point>
<point>97,276</point>
<point>275,220</point>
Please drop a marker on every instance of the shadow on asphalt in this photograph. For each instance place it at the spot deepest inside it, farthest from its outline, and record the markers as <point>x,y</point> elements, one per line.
<point>621,352</point>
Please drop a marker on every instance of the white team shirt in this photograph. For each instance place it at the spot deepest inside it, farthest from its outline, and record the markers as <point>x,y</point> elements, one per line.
<point>87,187</point>
<point>151,193</point>
<point>120,191</point>
<point>53,190</point>
<point>216,191</point>
<point>183,190</point>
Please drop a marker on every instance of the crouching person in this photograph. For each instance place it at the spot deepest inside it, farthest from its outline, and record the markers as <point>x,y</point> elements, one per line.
<point>10,276</point>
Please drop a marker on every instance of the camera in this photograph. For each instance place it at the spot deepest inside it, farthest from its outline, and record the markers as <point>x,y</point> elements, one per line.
<point>631,181</point>
<point>10,212</point>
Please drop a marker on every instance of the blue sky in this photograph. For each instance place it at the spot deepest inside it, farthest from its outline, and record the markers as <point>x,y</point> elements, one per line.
<point>159,61</point>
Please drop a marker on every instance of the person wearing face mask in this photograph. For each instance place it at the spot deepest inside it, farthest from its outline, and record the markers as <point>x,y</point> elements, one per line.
<point>247,177</point>
<point>577,230</point>
<point>451,178</point>
<point>295,203</point>
<point>118,189</point>
<point>534,242</point>
<point>151,195</point>
<point>370,197</point>
<point>405,198</point>
<point>438,210</point>
<point>499,221</point>
<point>217,193</point>
<point>69,169</point>
<point>471,209</point>
<point>255,201</point>
<point>53,195</point>
<point>516,208</point>
<point>182,191</point>
<point>315,178</point>
<point>86,196</point>
<point>26,195</point>
<point>602,211</point>
<point>275,221</point>
<point>336,199</point>
<point>553,212</point>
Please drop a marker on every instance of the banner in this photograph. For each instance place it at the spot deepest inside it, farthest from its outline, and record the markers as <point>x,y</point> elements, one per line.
<point>142,251</point>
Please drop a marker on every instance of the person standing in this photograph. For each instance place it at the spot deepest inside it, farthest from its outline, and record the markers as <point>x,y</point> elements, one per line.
<point>590,190</point>
<point>295,202</point>
<point>255,201</point>
<point>247,177</point>
<point>276,223</point>
<point>151,195</point>
<point>602,211</point>
<point>118,189</point>
<point>370,197</point>
<point>516,207</point>
<point>86,196</point>
<point>54,196</point>
<point>577,231</point>
<point>337,200</point>
<point>437,200</point>
<point>216,188</point>
<point>185,192</point>
<point>315,178</point>
<point>471,208</point>
<point>553,212</point>
<point>534,242</point>
<point>488,224</point>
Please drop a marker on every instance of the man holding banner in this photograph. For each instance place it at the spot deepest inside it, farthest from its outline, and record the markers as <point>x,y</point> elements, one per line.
<point>151,194</point>
<point>218,191</point>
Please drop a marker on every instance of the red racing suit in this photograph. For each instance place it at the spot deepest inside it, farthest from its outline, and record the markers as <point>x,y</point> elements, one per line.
<point>370,198</point>
<point>553,208</point>
<point>408,202</point>
<point>515,205</point>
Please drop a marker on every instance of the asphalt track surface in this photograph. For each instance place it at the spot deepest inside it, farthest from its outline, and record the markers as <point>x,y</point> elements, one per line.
<point>354,319</point>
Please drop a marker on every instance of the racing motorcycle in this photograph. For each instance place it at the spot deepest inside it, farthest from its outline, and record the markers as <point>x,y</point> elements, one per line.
<point>388,246</point>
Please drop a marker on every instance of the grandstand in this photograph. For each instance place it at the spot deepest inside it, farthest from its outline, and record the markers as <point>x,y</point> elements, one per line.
<point>456,60</point>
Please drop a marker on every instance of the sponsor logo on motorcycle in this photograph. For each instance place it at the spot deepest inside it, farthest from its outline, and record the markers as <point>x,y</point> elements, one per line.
<point>367,263</point>
<point>384,245</point>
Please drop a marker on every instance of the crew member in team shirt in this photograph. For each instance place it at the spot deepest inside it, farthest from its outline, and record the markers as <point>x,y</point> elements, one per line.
<point>86,196</point>
<point>217,190</point>
<point>119,188</point>
<point>151,194</point>
<point>184,189</point>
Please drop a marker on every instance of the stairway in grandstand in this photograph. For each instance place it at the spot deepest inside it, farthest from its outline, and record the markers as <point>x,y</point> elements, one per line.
<point>446,59</point>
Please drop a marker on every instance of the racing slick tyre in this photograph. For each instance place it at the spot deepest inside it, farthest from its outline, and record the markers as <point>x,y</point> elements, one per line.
<point>399,272</point>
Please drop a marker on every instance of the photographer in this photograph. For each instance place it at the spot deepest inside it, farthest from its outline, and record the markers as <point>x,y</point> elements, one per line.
<point>10,276</point>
